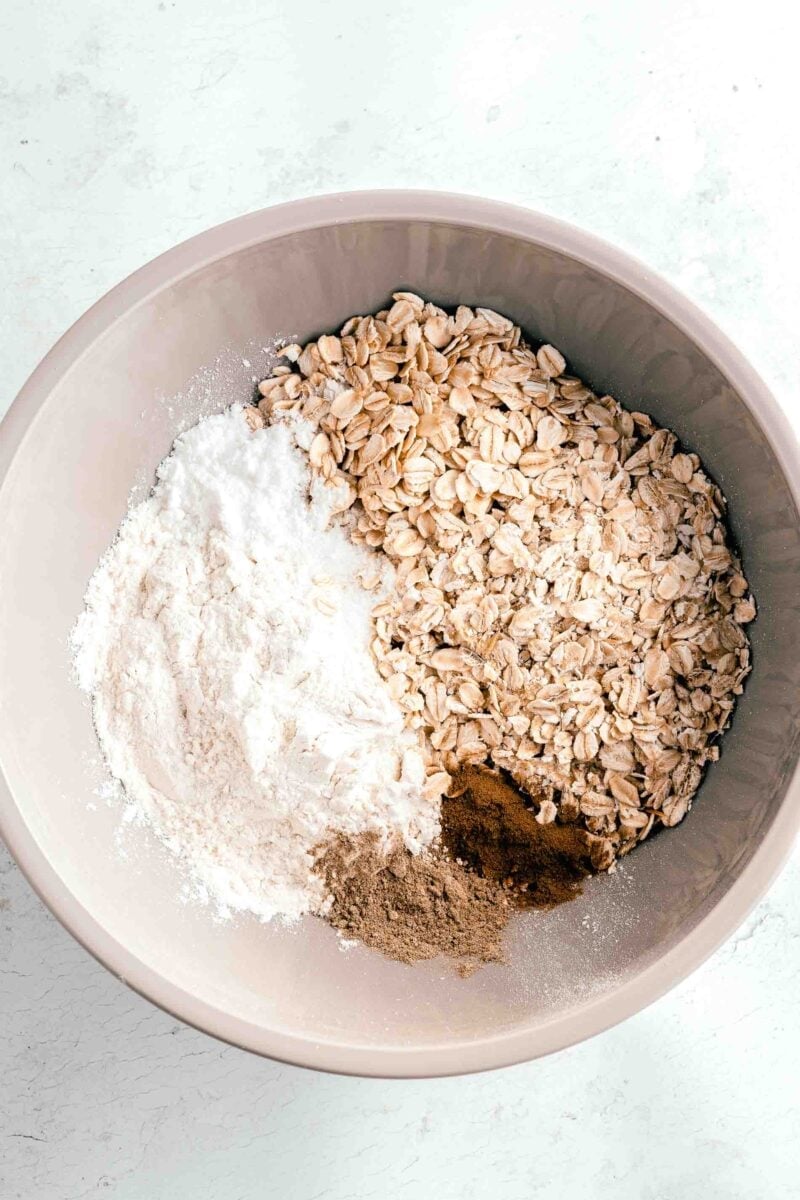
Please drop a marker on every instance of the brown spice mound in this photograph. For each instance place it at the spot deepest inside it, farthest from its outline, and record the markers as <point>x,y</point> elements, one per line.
<point>413,907</point>
<point>494,857</point>
<point>487,825</point>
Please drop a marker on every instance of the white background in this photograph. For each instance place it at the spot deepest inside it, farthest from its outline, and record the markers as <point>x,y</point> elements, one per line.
<point>666,127</point>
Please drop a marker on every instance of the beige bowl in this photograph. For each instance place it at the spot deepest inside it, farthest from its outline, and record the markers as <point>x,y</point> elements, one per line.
<point>92,422</point>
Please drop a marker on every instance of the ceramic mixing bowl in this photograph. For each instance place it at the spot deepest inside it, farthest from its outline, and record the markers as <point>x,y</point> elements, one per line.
<point>188,333</point>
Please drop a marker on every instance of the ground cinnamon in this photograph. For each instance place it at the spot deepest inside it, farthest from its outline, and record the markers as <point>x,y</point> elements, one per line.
<point>487,824</point>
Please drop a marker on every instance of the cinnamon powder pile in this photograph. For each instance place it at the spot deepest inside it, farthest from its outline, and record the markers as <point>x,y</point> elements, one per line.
<point>494,857</point>
<point>487,824</point>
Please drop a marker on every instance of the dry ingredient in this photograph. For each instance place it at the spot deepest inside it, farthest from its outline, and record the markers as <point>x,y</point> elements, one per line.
<point>226,646</point>
<point>488,825</point>
<point>432,635</point>
<point>567,604</point>
<point>413,907</point>
<point>493,858</point>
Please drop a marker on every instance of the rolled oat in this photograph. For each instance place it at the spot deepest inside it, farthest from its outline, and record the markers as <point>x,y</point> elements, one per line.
<point>568,604</point>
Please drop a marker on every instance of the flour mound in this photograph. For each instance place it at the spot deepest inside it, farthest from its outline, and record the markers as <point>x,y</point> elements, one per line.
<point>226,646</point>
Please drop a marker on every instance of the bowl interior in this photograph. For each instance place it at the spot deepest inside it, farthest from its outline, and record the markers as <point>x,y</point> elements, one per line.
<point>195,345</point>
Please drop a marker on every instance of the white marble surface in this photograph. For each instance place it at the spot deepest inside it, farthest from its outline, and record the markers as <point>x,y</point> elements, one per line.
<point>127,127</point>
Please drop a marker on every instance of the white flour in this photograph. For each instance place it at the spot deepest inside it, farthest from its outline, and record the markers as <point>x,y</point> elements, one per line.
<point>225,643</point>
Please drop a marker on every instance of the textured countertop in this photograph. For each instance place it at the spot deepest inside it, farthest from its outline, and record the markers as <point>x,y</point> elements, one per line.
<point>127,127</point>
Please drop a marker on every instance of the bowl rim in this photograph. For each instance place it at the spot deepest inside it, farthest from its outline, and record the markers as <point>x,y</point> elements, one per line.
<point>594,1015</point>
